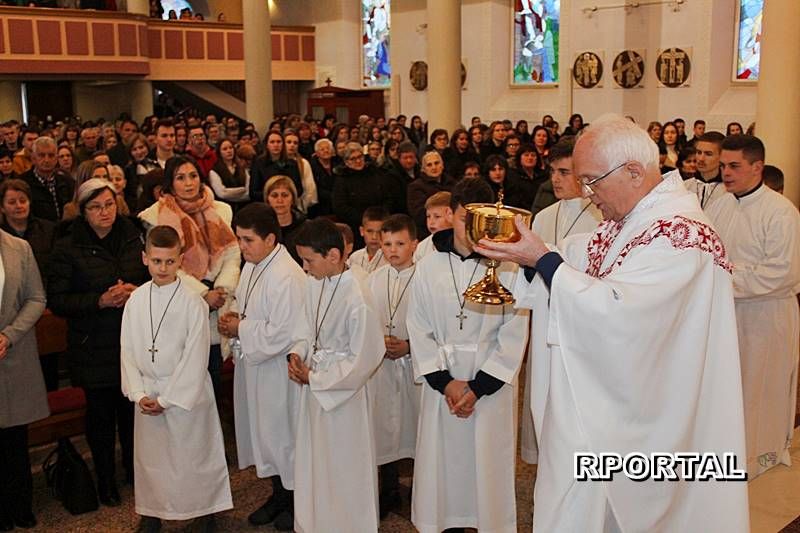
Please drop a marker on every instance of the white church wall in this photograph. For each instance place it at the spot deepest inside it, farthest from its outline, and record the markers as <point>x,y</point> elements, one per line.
<point>705,26</point>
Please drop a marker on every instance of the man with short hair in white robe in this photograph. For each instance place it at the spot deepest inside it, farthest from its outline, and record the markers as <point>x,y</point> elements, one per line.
<point>760,229</point>
<point>269,302</point>
<point>707,185</point>
<point>468,355</point>
<point>179,455</point>
<point>641,353</point>
<point>335,469</point>
<point>572,214</point>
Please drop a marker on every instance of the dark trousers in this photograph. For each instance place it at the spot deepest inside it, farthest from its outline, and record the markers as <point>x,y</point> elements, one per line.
<point>215,370</point>
<point>16,482</point>
<point>280,494</point>
<point>109,412</point>
<point>389,478</point>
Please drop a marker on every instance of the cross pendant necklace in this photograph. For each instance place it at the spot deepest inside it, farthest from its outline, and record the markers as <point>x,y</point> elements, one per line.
<point>462,300</point>
<point>154,334</point>
<point>394,307</point>
<point>318,323</point>
<point>251,285</point>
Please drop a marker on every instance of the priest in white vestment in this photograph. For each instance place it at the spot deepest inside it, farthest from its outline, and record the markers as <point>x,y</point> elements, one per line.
<point>269,303</point>
<point>641,353</point>
<point>760,229</point>
<point>571,215</point>
<point>179,455</point>
<point>467,356</point>
<point>335,469</point>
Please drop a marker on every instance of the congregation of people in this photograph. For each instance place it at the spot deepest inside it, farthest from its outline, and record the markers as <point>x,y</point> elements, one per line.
<point>328,261</point>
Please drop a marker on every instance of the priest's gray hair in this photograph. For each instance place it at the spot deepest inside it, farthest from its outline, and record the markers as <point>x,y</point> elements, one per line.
<point>618,140</point>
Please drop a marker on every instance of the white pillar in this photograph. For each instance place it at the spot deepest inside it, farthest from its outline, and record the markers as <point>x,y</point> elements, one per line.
<point>779,90</point>
<point>141,99</point>
<point>257,63</point>
<point>444,64</point>
<point>10,100</point>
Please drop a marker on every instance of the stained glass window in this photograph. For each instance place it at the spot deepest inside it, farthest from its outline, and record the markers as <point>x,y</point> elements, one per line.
<point>536,26</point>
<point>749,42</point>
<point>375,26</point>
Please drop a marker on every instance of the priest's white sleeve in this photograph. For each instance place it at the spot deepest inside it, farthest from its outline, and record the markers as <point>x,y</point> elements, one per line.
<point>777,271</point>
<point>344,377</point>
<point>187,384</point>
<point>420,324</point>
<point>264,339</point>
<point>131,378</point>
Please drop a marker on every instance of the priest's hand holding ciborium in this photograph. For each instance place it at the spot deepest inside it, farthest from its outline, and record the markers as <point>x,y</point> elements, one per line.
<point>494,223</point>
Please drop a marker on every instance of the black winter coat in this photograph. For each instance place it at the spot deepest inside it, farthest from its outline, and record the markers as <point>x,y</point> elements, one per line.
<point>356,190</point>
<point>81,270</point>
<point>42,205</point>
<point>264,168</point>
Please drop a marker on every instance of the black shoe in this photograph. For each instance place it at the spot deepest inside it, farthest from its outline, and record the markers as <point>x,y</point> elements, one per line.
<point>149,524</point>
<point>266,513</point>
<point>6,522</point>
<point>25,520</point>
<point>388,502</point>
<point>285,520</point>
<point>109,496</point>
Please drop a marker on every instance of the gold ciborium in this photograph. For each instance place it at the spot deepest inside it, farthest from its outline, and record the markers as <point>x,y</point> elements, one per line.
<point>496,223</point>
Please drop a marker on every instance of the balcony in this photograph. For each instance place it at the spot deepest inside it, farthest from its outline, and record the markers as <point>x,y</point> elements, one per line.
<point>76,43</point>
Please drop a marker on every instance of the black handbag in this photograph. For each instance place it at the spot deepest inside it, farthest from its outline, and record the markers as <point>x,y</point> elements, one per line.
<point>70,479</point>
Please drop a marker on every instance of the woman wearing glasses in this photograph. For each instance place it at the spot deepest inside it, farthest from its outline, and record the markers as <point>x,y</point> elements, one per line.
<point>94,268</point>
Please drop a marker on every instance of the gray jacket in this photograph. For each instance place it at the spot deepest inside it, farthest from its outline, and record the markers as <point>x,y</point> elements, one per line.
<point>23,398</point>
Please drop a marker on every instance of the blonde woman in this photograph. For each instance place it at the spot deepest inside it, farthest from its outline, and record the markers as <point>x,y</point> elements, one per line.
<point>309,196</point>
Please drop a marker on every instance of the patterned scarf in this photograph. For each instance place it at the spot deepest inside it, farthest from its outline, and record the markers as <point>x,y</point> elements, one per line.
<point>205,236</point>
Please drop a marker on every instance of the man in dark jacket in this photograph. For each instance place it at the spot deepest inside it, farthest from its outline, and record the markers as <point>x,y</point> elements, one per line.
<point>50,188</point>
<point>400,174</point>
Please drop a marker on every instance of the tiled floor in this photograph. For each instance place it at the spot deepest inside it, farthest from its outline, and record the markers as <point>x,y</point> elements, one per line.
<point>775,495</point>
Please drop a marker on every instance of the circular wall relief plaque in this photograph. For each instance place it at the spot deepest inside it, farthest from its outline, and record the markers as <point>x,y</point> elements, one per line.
<point>673,66</point>
<point>628,69</point>
<point>587,70</point>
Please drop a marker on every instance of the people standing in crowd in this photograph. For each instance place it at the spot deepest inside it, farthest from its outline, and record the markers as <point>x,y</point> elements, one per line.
<point>198,148</point>
<point>521,129</point>
<point>575,124</point>
<point>357,187</point>
<point>227,178</point>
<point>400,173</point>
<point>211,256</point>
<point>322,167</point>
<point>281,195</point>
<point>309,196</point>
<point>95,266</point>
<point>687,162</point>
<point>23,399</point>
<point>165,143</point>
<point>66,160</point>
<point>22,158</point>
<point>459,153</point>
<point>274,162</point>
<point>529,175</point>
<point>6,165</point>
<point>140,164</point>
<point>15,206</point>
<point>496,143</point>
<point>51,189</point>
<point>733,128</point>
<point>432,180</point>
<point>669,143</point>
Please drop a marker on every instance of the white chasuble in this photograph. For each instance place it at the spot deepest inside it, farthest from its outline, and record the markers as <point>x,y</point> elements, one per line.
<point>394,395</point>
<point>553,224</point>
<point>179,456</point>
<point>464,468</point>
<point>641,356</point>
<point>270,300</point>
<point>335,469</point>
<point>760,231</point>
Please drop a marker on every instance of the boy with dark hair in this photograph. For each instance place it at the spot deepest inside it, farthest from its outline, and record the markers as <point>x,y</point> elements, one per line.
<point>269,302</point>
<point>468,354</point>
<point>370,258</point>
<point>334,430</point>
<point>178,445</point>
<point>707,185</point>
<point>392,392</point>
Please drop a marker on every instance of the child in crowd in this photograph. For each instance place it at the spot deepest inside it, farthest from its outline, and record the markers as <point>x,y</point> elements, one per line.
<point>179,456</point>
<point>393,394</point>
<point>335,467</point>
<point>438,216</point>
<point>370,258</point>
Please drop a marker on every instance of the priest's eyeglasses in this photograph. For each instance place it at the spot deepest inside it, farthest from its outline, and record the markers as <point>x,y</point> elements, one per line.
<point>587,182</point>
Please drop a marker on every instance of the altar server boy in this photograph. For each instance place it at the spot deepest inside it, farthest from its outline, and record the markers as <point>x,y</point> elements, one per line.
<point>270,301</point>
<point>179,456</point>
<point>370,258</point>
<point>438,216</point>
<point>468,355</point>
<point>392,392</point>
<point>335,466</point>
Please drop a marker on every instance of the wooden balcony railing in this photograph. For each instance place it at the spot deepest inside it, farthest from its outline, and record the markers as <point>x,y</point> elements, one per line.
<point>54,42</point>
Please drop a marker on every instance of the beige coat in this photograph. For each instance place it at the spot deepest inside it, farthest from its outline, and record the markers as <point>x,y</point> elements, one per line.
<point>23,398</point>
